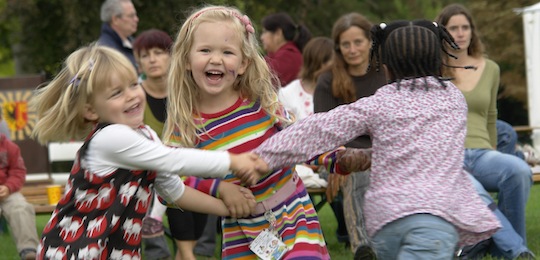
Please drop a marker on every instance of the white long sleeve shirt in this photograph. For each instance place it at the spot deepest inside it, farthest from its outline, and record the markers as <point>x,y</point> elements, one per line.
<point>119,146</point>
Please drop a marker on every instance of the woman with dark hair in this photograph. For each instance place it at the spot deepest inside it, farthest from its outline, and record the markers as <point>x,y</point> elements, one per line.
<point>478,79</point>
<point>283,40</point>
<point>152,53</point>
<point>345,81</point>
<point>421,204</point>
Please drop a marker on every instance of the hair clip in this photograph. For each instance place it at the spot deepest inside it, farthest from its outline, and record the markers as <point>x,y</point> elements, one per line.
<point>90,64</point>
<point>245,21</point>
<point>75,81</point>
<point>382,25</point>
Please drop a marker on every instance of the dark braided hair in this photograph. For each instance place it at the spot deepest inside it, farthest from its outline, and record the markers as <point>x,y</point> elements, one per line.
<point>410,49</point>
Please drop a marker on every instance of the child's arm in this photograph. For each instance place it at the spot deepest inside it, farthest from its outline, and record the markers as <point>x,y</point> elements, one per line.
<point>194,200</point>
<point>318,133</point>
<point>122,147</point>
<point>171,188</point>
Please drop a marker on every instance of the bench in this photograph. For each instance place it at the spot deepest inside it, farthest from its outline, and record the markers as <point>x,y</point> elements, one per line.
<point>61,157</point>
<point>317,192</point>
<point>36,194</point>
<point>536,174</point>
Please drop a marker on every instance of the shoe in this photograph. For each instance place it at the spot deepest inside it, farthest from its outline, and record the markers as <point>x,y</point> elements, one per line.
<point>151,227</point>
<point>365,252</point>
<point>531,155</point>
<point>477,251</point>
<point>28,254</point>
<point>528,255</point>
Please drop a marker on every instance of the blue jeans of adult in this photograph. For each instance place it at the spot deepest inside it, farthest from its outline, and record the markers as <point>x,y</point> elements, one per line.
<point>418,236</point>
<point>507,175</point>
<point>507,139</point>
<point>508,242</point>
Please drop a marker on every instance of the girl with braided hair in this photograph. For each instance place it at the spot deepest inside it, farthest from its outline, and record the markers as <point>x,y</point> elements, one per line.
<point>414,206</point>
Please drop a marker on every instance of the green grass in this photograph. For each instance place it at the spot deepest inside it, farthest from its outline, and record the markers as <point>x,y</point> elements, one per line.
<point>328,223</point>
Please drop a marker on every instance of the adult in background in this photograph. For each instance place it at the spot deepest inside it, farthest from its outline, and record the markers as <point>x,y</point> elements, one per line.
<point>478,79</point>
<point>152,52</point>
<point>344,82</point>
<point>120,21</point>
<point>283,40</point>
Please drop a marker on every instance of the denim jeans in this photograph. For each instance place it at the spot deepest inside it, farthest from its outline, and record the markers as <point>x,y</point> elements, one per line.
<point>508,242</point>
<point>507,139</point>
<point>507,175</point>
<point>418,236</point>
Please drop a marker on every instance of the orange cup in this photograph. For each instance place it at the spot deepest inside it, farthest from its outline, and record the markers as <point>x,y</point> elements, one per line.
<point>54,193</point>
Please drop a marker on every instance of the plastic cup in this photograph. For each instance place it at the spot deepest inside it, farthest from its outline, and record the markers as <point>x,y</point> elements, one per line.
<point>54,193</point>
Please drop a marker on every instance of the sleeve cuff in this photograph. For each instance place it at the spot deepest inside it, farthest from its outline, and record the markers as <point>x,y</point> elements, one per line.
<point>169,186</point>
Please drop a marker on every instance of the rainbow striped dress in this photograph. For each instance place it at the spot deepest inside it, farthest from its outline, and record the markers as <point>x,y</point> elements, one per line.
<point>241,128</point>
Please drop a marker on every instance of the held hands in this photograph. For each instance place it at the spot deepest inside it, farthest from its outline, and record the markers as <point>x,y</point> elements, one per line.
<point>239,200</point>
<point>354,160</point>
<point>248,167</point>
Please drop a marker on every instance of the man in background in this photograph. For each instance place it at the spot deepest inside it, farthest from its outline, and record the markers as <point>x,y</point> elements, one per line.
<point>120,22</point>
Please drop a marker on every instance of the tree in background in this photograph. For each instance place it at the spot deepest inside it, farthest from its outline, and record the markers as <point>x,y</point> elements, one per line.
<point>39,34</point>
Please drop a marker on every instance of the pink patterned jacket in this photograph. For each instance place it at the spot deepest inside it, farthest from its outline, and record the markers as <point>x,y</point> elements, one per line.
<point>418,147</point>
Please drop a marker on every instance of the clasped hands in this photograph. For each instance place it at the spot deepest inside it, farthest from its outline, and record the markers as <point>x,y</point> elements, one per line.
<point>248,167</point>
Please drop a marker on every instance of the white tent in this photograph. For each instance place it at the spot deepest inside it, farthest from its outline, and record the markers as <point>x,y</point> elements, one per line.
<point>531,30</point>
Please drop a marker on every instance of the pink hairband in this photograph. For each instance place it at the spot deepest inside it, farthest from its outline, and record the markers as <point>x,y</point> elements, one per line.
<point>243,19</point>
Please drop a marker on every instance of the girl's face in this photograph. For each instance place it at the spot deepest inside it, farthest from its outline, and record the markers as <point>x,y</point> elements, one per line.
<point>355,46</point>
<point>154,62</point>
<point>460,28</point>
<point>216,59</point>
<point>122,102</point>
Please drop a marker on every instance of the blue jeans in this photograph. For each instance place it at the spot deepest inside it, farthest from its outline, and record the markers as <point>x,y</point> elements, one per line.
<point>507,175</point>
<point>507,139</point>
<point>509,244</point>
<point>418,236</point>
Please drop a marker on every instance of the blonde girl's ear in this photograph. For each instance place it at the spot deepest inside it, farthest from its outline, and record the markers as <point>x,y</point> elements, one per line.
<point>89,113</point>
<point>243,67</point>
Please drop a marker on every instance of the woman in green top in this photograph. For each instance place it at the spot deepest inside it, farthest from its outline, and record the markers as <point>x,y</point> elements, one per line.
<point>478,79</point>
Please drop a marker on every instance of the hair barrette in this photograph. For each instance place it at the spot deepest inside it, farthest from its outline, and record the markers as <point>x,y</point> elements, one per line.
<point>245,21</point>
<point>75,81</point>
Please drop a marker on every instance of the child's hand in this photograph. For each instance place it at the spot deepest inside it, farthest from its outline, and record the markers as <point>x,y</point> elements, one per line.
<point>4,192</point>
<point>239,200</point>
<point>354,160</point>
<point>248,167</point>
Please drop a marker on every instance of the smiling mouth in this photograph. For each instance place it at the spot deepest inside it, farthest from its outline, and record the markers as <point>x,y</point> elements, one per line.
<point>214,75</point>
<point>134,108</point>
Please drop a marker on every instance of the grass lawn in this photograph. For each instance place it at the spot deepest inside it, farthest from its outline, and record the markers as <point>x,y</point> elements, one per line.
<point>337,250</point>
